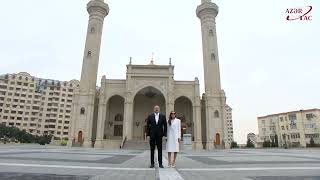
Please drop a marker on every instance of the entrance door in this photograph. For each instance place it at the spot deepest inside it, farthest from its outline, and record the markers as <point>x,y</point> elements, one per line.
<point>117,130</point>
<point>80,137</point>
<point>217,139</point>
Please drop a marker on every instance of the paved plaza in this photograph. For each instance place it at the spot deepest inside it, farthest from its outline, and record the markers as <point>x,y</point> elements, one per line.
<point>33,162</point>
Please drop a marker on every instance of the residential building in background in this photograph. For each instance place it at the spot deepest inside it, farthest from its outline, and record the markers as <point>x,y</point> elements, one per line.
<point>292,129</point>
<point>229,137</point>
<point>40,106</point>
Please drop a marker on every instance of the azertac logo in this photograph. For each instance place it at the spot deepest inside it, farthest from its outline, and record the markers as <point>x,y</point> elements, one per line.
<point>302,14</point>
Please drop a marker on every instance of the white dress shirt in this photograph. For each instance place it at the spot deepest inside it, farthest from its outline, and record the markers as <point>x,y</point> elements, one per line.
<point>156,115</point>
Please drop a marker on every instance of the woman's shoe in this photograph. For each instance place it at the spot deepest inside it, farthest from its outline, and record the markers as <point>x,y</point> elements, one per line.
<point>173,166</point>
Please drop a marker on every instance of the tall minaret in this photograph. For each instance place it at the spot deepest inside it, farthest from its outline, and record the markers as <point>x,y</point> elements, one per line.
<point>214,96</point>
<point>84,99</point>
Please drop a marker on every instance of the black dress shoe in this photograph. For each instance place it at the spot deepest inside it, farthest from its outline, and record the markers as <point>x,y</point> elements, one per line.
<point>160,166</point>
<point>152,166</point>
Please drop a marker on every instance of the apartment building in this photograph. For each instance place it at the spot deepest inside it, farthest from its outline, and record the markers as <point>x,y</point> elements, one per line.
<point>294,129</point>
<point>229,124</point>
<point>40,106</point>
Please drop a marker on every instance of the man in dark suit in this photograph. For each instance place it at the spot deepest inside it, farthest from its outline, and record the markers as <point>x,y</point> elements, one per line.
<point>156,129</point>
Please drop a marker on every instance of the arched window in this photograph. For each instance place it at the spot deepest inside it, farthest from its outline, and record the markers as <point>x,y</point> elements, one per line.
<point>20,77</point>
<point>210,32</point>
<point>26,79</point>
<point>118,117</point>
<point>92,30</point>
<point>89,54</point>
<point>213,57</point>
<point>216,114</point>
<point>82,110</point>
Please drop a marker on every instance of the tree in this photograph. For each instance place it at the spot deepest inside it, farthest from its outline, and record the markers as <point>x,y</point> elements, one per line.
<point>250,144</point>
<point>234,145</point>
<point>17,135</point>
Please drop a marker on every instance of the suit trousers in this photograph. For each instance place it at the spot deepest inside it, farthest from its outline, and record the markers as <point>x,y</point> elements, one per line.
<point>157,140</point>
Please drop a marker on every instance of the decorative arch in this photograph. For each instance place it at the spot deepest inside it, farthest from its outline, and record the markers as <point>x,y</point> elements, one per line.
<point>113,125</point>
<point>216,114</point>
<point>183,107</point>
<point>114,94</point>
<point>147,85</point>
<point>184,96</point>
<point>143,102</point>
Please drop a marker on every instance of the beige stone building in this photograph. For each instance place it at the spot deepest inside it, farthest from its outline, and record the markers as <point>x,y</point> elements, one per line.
<point>116,112</point>
<point>295,128</point>
<point>40,106</point>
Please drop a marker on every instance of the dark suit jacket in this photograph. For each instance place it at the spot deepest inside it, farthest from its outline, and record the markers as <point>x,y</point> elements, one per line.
<point>156,130</point>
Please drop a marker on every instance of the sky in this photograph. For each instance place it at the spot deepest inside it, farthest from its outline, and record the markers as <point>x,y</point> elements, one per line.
<point>268,64</point>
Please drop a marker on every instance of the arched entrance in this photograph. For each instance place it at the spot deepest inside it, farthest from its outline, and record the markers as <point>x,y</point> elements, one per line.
<point>217,139</point>
<point>114,118</point>
<point>144,101</point>
<point>80,138</point>
<point>183,108</point>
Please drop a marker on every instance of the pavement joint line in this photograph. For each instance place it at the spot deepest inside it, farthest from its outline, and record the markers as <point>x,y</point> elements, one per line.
<point>250,169</point>
<point>169,173</point>
<point>75,167</point>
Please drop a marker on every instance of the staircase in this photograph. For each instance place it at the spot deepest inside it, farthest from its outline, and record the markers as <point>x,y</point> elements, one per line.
<point>140,145</point>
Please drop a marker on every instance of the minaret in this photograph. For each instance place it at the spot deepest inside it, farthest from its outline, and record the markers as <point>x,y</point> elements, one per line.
<point>84,99</point>
<point>214,96</point>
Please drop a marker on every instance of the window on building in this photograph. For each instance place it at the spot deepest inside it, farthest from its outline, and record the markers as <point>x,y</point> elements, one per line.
<point>82,110</point>
<point>216,114</point>
<point>309,116</point>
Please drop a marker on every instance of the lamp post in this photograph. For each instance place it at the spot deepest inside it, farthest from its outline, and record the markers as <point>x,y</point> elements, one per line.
<point>110,123</point>
<point>137,124</point>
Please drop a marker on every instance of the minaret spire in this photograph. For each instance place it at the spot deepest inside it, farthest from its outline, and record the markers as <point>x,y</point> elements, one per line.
<point>83,109</point>
<point>214,95</point>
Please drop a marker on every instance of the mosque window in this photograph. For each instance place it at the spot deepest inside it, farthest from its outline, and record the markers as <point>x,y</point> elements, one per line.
<point>216,114</point>
<point>89,54</point>
<point>210,32</point>
<point>213,57</point>
<point>82,110</point>
<point>92,30</point>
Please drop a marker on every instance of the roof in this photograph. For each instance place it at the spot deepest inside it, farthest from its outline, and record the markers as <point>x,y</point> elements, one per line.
<point>285,113</point>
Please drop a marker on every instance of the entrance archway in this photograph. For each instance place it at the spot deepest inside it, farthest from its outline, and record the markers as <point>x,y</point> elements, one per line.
<point>114,118</point>
<point>217,139</point>
<point>144,101</point>
<point>183,108</point>
<point>80,138</point>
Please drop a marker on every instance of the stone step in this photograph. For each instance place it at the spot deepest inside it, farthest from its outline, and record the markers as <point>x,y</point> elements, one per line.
<point>139,145</point>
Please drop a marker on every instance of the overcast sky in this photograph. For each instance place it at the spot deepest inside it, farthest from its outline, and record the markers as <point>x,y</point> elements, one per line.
<point>268,65</point>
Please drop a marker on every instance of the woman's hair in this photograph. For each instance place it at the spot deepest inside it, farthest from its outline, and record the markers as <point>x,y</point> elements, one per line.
<point>170,119</point>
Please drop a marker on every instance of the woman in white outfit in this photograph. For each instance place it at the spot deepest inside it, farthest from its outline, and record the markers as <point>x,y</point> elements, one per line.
<point>173,138</point>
